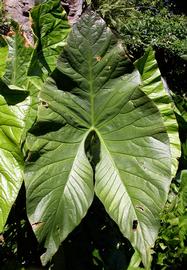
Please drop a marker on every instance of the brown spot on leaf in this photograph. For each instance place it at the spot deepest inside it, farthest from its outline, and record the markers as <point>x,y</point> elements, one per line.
<point>140,207</point>
<point>37,225</point>
<point>98,58</point>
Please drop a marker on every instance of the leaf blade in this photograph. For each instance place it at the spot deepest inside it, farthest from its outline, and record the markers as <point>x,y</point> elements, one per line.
<point>51,29</point>
<point>11,158</point>
<point>60,193</point>
<point>18,61</point>
<point>95,89</point>
<point>132,177</point>
<point>156,88</point>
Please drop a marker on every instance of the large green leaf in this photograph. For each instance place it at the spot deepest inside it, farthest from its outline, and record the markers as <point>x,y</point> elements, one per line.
<point>59,185</point>
<point>12,114</point>
<point>14,106</point>
<point>18,112</point>
<point>51,28</point>
<point>16,78</point>
<point>18,61</point>
<point>132,176</point>
<point>94,92</point>
<point>155,87</point>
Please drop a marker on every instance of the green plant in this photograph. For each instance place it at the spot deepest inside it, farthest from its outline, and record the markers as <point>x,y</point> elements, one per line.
<point>156,23</point>
<point>171,248</point>
<point>115,12</point>
<point>96,125</point>
<point>160,31</point>
<point>144,23</point>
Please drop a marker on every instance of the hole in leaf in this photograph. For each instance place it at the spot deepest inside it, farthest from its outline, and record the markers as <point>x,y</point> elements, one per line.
<point>134,224</point>
<point>45,104</point>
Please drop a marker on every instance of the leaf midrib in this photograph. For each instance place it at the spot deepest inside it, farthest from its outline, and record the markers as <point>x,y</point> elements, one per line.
<point>90,64</point>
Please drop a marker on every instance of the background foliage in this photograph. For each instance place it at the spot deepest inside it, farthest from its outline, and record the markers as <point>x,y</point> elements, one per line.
<point>161,24</point>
